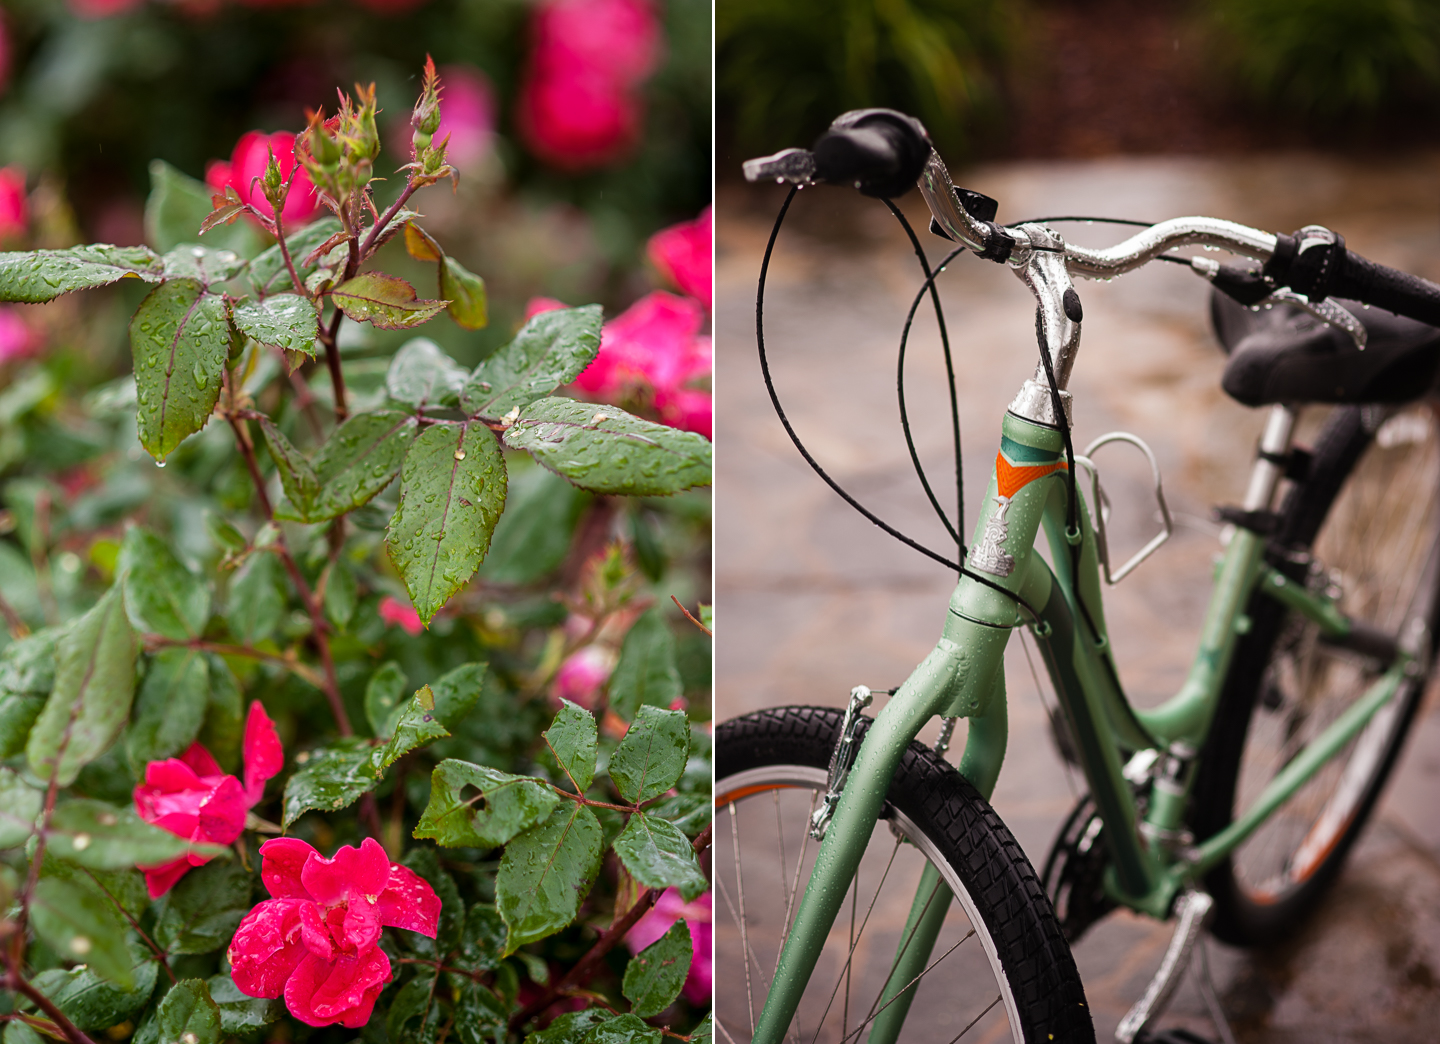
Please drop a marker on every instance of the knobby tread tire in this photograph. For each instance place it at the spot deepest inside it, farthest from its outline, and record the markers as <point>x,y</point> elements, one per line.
<point>972,838</point>
<point>1239,920</point>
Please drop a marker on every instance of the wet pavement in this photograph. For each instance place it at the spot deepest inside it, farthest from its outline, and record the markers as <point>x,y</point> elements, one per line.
<point>814,599</point>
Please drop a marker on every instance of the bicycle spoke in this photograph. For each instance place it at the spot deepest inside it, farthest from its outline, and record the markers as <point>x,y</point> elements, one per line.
<point>895,963</point>
<point>724,1032</point>
<point>912,982</point>
<point>744,936</point>
<point>971,1024</point>
<point>794,888</point>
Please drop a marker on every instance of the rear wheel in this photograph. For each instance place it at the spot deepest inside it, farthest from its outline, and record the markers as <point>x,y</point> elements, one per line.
<point>1000,968</point>
<point>1365,523</point>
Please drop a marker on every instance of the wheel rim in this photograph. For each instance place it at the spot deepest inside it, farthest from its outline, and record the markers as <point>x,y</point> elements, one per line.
<point>1380,530</point>
<point>761,872</point>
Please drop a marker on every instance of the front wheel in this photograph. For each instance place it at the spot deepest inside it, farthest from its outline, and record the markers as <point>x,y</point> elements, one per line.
<point>999,969</point>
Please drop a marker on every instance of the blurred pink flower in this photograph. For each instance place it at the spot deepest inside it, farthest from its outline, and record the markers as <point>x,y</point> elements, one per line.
<point>682,254</point>
<point>581,675</point>
<point>191,797</point>
<point>467,114</point>
<point>393,611</point>
<point>668,909</point>
<point>578,106</point>
<point>248,161</point>
<point>14,206</point>
<point>17,339</point>
<point>103,8</point>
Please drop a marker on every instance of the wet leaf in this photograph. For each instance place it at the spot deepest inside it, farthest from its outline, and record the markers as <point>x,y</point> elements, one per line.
<point>646,672</point>
<point>268,272</point>
<point>452,490</point>
<point>179,339</point>
<point>169,708</point>
<point>533,536</point>
<point>357,461</point>
<point>422,374</point>
<point>255,603</point>
<point>27,674</point>
<point>94,685</point>
<point>651,757</point>
<point>654,976</point>
<point>342,593</point>
<point>456,692</point>
<point>178,207</point>
<point>465,291</point>
<point>81,926</point>
<point>162,596</point>
<point>504,806</point>
<point>43,275</point>
<point>569,1028</point>
<point>575,741</point>
<point>20,804</point>
<point>201,913</point>
<point>286,321</point>
<point>383,693</point>
<point>107,837</point>
<point>415,727</point>
<point>549,351</point>
<point>207,265</point>
<point>658,855</point>
<point>330,779</point>
<point>94,1003</point>
<point>188,1015</point>
<point>623,1029</point>
<point>297,477</point>
<point>546,873</point>
<point>606,450</point>
<point>383,301</point>
<point>240,1012</point>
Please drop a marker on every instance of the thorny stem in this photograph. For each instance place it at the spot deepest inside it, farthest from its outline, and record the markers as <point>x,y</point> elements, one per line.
<point>15,982</point>
<point>387,217</point>
<point>590,963</point>
<point>332,360</point>
<point>295,667</point>
<point>581,799</point>
<point>285,247</point>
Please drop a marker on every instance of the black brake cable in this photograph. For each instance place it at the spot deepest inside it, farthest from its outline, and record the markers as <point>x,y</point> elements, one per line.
<point>810,460</point>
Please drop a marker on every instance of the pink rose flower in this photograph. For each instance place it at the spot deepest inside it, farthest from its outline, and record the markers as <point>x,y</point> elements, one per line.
<point>581,675</point>
<point>467,114</point>
<point>191,796</point>
<point>668,909</point>
<point>14,204</point>
<point>248,162</point>
<point>682,254</point>
<point>17,340</point>
<point>616,39</point>
<point>392,611</point>
<point>317,941</point>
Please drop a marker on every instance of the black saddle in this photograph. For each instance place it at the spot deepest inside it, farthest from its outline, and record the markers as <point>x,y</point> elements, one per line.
<point>1285,355</point>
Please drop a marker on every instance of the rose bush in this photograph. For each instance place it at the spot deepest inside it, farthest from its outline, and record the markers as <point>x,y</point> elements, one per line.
<point>279,576</point>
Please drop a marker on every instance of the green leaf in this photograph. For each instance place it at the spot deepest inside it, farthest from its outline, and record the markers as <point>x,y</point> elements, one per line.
<point>480,1016</point>
<point>240,1012</point>
<point>384,301</point>
<point>420,244</point>
<point>94,684</point>
<point>188,1015</point>
<point>421,374</point>
<point>574,739</point>
<point>169,709</point>
<point>505,806</point>
<point>94,1003</point>
<point>705,1032</point>
<point>689,813</point>
<point>342,593</point>
<point>104,837</point>
<point>179,338</point>
<point>533,536</point>
<point>382,697</point>
<point>412,1002</point>
<point>36,276</point>
<point>357,461</point>
<point>201,913</point>
<point>20,805</point>
<point>268,271</point>
<point>124,889</point>
<point>284,320</point>
<point>161,595</point>
<point>658,855</point>
<point>224,718</point>
<point>205,265</point>
<point>452,491</point>
<point>81,926</point>
<point>569,1028</point>
<point>415,727</point>
<point>178,205</point>
<point>330,779</point>
<point>549,351</point>
<point>425,861</point>
<point>707,616</point>
<point>482,939</point>
<point>654,976</point>
<point>624,1029</point>
<point>606,450</point>
<point>466,293</point>
<point>255,605</point>
<point>646,672</point>
<point>27,666</point>
<point>456,692</point>
<point>652,755</point>
<point>297,477</point>
<point>546,873</point>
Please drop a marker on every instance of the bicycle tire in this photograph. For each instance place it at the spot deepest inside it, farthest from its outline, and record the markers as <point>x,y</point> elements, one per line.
<point>784,753</point>
<point>1368,515</point>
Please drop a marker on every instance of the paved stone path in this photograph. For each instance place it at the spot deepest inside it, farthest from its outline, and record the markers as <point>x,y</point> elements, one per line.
<point>813,599</point>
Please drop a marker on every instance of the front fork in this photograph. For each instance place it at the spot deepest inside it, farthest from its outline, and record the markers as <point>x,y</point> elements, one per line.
<point>962,676</point>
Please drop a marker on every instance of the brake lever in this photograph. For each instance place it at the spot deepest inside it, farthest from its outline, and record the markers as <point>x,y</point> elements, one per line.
<point>792,166</point>
<point>1250,288</point>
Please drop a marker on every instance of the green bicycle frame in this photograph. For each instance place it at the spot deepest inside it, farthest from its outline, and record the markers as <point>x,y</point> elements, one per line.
<point>964,676</point>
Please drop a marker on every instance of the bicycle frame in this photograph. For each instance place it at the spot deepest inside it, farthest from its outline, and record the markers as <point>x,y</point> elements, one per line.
<point>1150,859</point>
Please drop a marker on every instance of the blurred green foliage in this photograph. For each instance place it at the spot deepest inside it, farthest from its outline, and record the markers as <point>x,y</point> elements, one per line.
<point>786,68</point>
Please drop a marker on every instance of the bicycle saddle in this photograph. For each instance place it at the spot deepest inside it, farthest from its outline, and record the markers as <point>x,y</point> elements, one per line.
<point>1284,355</point>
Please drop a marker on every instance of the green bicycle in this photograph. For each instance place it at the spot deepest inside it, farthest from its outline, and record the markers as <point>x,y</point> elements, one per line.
<point>870,891</point>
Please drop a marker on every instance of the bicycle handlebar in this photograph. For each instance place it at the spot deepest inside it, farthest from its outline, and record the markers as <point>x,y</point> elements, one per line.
<point>883,153</point>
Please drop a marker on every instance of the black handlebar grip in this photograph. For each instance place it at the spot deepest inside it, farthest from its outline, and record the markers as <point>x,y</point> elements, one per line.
<point>1363,280</point>
<point>880,151</point>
